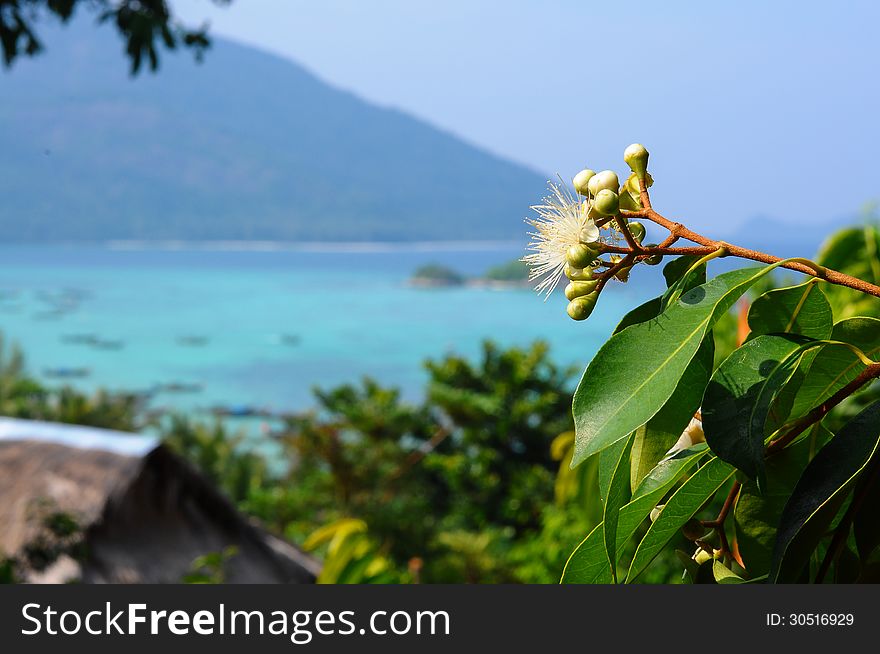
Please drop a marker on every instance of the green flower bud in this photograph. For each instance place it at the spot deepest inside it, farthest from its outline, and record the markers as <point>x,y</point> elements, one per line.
<point>607,202</point>
<point>580,255</point>
<point>628,202</point>
<point>578,274</point>
<point>579,288</point>
<point>637,230</point>
<point>581,179</point>
<point>654,259</point>
<point>693,530</point>
<point>590,210</point>
<point>607,179</point>
<point>636,157</point>
<point>632,183</point>
<point>580,308</point>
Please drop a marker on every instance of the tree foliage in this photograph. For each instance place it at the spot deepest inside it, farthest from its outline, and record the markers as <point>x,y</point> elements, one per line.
<point>455,488</point>
<point>146,26</point>
<point>781,433</point>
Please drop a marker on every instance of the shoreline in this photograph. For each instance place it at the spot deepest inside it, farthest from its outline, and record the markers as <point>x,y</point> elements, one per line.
<point>362,247</point>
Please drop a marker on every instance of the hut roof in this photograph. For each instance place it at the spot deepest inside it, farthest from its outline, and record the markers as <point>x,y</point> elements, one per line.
<point>143,518</point>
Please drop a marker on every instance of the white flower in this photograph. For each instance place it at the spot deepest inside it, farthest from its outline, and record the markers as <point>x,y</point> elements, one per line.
<point>562,221</point>
<point>691,435</point>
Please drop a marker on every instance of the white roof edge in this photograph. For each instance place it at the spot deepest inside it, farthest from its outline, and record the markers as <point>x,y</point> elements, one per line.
<point>89,438</point>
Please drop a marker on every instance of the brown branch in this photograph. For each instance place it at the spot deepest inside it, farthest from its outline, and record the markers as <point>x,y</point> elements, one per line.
<point>660,249</point>
<point>631,241</point>
<point>613,270</point>
<point>705,245</point>
<point>643,194</point>
<point>725,510</point>
<point>668,241</point>
<point>678,230</point>
<point>869,373</point>
<point>718,523</point>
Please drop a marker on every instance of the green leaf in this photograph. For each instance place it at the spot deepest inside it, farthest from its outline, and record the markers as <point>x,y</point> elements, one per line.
<point>756,515</point>
<point>668,471</point>
<point>654,439</point>
<point>854,251</point>
<point>637,370</point>
<point>801,309</point>
<point>608,460</point>
<point>773,403</point>
<point>673,272</point>
<point>835,366</point>
<point>681,275</point>
<point>677,268</point>
<point>784,398</point>
<point>642,313</point>
<point>866,525</point>
<point>733,419</point>
<point>681,507</point>
<point>724,575</point>
<point>820,492</point>
<point>588,564</point>
<point>619,493</point>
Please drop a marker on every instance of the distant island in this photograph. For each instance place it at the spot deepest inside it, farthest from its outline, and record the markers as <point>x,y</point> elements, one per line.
<point>513,274</point>
<point>244,147</point>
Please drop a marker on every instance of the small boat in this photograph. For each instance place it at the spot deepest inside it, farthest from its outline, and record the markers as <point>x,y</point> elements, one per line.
<point>192,341</point>
<point>179,387</point>
<point>291,339</point>
<point>66,373</point>
<point>52,314</point>
<point>239,411</point>
<point>79,339</point>
<point>102,344</point>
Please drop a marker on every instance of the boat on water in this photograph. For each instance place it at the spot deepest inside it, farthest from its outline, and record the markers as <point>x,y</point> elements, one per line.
<point>108,344</point>
<point>289,339</point>
<point>192,340</point>
<point>240,411</point>
<point>79,339</point>
<point>52,314</point>
<point>92,340</point>
<point>179,387</point>
<point>66,373</point>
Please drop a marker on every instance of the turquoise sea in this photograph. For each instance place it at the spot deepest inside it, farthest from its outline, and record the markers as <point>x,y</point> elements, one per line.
<point>260,325</point>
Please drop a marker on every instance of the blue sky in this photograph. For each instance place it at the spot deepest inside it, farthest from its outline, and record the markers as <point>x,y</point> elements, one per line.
<point>749,108</point>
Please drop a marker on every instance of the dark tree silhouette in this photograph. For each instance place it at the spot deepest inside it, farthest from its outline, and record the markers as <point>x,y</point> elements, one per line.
<point>145,25</point>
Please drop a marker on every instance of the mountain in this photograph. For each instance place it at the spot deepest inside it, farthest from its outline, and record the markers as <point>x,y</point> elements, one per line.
<point>243,146</point>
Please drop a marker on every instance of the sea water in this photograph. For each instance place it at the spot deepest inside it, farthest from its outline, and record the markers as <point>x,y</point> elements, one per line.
<point>259,325</point>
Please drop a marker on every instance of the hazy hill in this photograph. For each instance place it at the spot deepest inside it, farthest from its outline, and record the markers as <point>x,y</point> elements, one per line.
<point>244,146</point>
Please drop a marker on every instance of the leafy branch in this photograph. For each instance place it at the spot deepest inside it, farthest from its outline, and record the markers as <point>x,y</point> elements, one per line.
<point>657,377</point>
<point>636,252</point>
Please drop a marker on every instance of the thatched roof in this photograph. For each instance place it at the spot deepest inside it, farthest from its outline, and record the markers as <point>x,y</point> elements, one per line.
<point>143,518</point>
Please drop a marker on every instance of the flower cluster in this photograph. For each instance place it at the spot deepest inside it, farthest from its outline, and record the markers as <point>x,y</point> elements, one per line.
<point>573,230</point>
